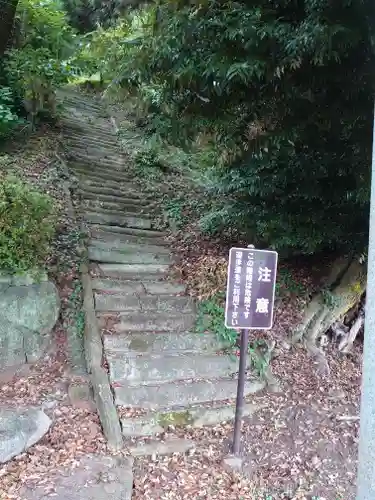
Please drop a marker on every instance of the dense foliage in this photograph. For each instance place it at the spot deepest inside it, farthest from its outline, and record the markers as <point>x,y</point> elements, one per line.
<point>26,226</point>
<point>35,62</point>
<point>283,92</point>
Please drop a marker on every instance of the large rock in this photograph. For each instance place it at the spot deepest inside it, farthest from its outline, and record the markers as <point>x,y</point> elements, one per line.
<point>29,309</point>
<point>20,429</point>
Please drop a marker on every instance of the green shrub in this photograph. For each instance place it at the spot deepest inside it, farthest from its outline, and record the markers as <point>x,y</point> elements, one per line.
<point>26,226</point>
<point>8,118</point>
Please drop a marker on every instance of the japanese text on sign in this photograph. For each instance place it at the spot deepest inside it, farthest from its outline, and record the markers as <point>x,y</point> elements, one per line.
<point>250,288</point>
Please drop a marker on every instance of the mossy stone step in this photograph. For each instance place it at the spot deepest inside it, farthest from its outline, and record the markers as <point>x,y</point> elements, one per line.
<point>102,176</point>
<point>113,238</point>
<point>97,254</point>
<point>168,368</point>
<point>115,220</point>
<point>151,322</point>
<point>196,417</point>
<point>132,303</point>
<point>120,199</point>
<point>134,344</point>
<point>116,245</point>
<point>118,206</point>
<point>136,287</point>
<point>109,188</point>
<point>159,396</point>
<point>92,143</point>
<point>122,233</point>
<point>139,272</point>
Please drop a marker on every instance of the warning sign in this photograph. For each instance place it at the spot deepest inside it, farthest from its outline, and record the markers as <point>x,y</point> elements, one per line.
<point>250,288</point>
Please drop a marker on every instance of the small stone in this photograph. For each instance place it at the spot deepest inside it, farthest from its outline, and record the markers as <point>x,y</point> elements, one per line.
<point>156,448</point>
<point>80,396</point>
<point>233,463</point>
<point>20,429</point>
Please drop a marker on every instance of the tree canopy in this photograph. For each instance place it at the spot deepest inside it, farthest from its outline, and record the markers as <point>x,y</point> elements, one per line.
<point>284,91</point>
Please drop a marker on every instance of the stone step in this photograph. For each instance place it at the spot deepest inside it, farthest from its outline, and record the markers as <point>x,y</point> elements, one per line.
<point>196,417</point>
<point>120,199</point>
<point>96,254</point>
<point>102,164</point>
<point>154,397</point>
<point>91,126</point>
<point>136,287</point>
<point>102,159</point>
<point>102,176</point>
<point>109,188</point>
<point>136,212</point>
<point>71,102</point>
<point>99,166</point>
<point>124,232</point>
<point>146,370</point>
<point>115,220</point>
<point>151,322</point>
<point>93,143</point>
<point>116,245</point>
<point>133,271</point>
<point>161,448</point>
<point>134,344</point>
<point>95,148</point>
<point>86,129</point>
<point>118,206</point>
<point>131,303</point>
<point>109,237</point>
<point>78,130</point>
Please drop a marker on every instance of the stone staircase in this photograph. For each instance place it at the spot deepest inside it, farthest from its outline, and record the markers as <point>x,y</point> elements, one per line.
<point>156,363</point>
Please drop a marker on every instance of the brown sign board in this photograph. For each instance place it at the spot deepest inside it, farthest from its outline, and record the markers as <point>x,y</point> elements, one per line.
<point>250,289</point>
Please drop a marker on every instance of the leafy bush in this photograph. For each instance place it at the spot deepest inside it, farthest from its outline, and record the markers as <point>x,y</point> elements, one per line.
<point>26,226</point>
<point>285,92</point>
<point>8,118</point>
<point>38,61</point>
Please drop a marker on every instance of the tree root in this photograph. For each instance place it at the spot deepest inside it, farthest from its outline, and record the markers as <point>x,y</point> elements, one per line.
<point>340,294</point>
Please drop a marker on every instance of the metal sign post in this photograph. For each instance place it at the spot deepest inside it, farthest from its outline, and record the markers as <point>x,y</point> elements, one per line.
<point>249,306</point>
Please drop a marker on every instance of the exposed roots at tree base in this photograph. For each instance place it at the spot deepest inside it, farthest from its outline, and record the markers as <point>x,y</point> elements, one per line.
<point>337,304</point>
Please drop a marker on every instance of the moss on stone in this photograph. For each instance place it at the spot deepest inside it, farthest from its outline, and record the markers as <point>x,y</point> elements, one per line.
<point>175,418</point>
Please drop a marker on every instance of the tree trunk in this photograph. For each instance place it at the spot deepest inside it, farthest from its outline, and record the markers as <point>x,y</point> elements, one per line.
<point>343,289</point>
<point>8,12</point>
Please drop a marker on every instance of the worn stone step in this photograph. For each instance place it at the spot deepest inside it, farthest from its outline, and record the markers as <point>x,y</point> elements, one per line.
<point>130,212</point>
<point>137,287</point>
<point>180,394</point>
<point>79,127</point>
<point>116,245</point>
<point>133,344</point>
<point>168,368</point>
<point>100,161</point>
<point>117,206</point>
<point>97,254</point>
<point>110,188</point>
<point>115,161</point>
<point>115,220</point>
<point>152,322</point>
<point>123,232</point>
<point>132,303</point>
<point>84,142</point>
<point>196,417</point>
<point>139,272</point>
<point>102,176</point>
<point>109,237</point>
<point>99,168</point>
<point>120,199</point>
<point>98,150</point>
<point>160,448</point>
